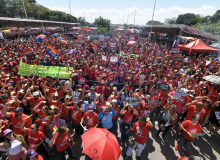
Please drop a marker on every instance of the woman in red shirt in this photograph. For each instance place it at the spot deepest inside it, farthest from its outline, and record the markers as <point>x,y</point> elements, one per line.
<point>127,120</point>
<point>189,131</point>
<point>63,138</point>
<point>117,110</point>
<point>100,103</point>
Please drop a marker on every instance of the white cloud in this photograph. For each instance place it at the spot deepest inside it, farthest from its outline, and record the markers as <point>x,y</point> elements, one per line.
<point>142,16</point>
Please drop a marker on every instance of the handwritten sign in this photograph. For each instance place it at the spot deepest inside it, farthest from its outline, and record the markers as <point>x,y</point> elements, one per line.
<point>75,97</point>
<point>134,101</point>
<point>113,59</point>
<point>112,45</point>
<point>164,87</point>
<point>153,103</point>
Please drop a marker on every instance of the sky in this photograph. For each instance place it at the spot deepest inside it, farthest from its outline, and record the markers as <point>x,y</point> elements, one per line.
<point>123,11</point>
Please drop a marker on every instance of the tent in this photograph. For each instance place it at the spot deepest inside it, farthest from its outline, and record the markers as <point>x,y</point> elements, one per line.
<point>198,46</point>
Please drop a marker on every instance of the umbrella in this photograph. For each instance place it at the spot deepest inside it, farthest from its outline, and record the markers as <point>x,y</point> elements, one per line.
<point>161,34</point>
<point>95,48</point>
<point>131,42</point>
<point>99,143</point>
<point>59,38</point>
<point>212,78</point>
<point>6,31</point>
<point>80,36</point>
<point>55,34</point>
<point>64,42</point>
<point>40,38</point>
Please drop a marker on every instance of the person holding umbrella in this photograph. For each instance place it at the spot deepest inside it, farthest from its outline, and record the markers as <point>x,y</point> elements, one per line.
<point>139,140</point>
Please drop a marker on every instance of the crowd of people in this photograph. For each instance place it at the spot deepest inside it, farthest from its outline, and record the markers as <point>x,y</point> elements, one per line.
<point>32,106</point>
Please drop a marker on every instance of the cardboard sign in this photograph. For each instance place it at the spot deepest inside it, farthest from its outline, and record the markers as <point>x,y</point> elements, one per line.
<point>141,78</point>
<point>29,54</point>
<point>82,80</point>
<point>134,101</point>
<point>75,97</point>
<point>164,87</point>
<point>112,45</point>
<point>114,59</point>
<point>104,58</point>
<point>153,103</point>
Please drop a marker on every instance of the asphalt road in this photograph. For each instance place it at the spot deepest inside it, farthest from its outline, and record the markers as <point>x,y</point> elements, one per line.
<point>156,149</point>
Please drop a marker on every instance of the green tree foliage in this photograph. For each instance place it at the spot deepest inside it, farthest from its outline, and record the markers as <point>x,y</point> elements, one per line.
<point>103,23</point>
<point>216,17</point>
<point>154,23</point>
<point>187,19</point>
<point>14,8</point>
<point>82,21</point>
<point>170,20</point>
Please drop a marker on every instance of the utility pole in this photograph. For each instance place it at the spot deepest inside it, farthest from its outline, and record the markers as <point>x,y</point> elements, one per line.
<point>84,16</point>
<point>127,20</point>
<point>134,16</point>
<point>153,17</point>
<point>91,19</point>
<point>69,7</point>
<point>24,9</point>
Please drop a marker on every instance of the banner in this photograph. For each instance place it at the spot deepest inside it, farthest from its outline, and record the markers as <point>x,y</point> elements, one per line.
<point>114,59</point>
<point>153,103</point>
<point>97,36</point>
<point>29,54</point>
<point>104,58</point>
<point>43,71</point>
<point>164,87</point>
<point>134,101</point>
<point>112,45</point>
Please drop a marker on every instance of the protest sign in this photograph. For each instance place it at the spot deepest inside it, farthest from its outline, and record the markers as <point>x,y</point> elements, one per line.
<point>141,78</point>
<point>97,36</point>
<point>153,103</point>
<point>181,93</point>
<point>104,58</point>
<point>29,54</point>
<point>164,87</point>
<point>134,101</point>
<point>44,71</point>
<point>102,37</point>
<point>112,45</point>
<point>82,80</point>
<point>114,59</point>
<point>75,97</point>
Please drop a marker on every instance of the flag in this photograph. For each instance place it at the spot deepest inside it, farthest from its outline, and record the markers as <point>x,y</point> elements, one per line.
<point>51,51</point>
<point>85,28</point>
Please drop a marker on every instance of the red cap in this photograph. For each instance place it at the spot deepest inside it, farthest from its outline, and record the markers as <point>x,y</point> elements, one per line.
<point>143,103</point>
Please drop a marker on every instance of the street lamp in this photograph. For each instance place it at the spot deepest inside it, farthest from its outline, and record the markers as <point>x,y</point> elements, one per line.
<point>153,17</point>
<point>69,7</point>
<point>134,17</point>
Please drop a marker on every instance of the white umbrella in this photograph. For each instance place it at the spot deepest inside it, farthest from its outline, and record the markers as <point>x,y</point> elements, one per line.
<point>213,79</point>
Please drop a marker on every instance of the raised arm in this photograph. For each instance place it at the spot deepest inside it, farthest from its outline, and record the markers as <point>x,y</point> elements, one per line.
<point>24,129</point>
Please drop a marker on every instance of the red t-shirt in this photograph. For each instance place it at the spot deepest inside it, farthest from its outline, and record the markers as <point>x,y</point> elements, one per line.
<point>128,118</point>
<point>76,115</point>
<point>117,110</point>
<point>142,134</point>
<point>187,124</point>
<point>42,127</point>
<point>39,157</point>
<point>91,119</point>
<point>63,142</point>
<point>100,105</point>
<point>35,102</point>
<point>16,123</point>
<point>34,138</point>
<point>192,111</point>
<point>183,158</point>
<point>2,124</point>
<point>100,90</point>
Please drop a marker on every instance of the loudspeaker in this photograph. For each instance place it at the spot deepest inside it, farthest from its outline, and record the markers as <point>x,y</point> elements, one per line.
<point>0,25</point>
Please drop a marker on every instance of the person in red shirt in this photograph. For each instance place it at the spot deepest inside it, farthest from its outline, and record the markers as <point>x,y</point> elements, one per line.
<point>195,110</point>
<point>91,118</point>
<point>3,126</point>
<point>33,155</point>
<point>189,131</point>
<point>62,138</point>
<point>100,103</point>
<point>17,119</point>
<point>100,89</point>
<point>117,110</point>
<point>127,120</point>
<point>35,137</point>
<point>141,130</point>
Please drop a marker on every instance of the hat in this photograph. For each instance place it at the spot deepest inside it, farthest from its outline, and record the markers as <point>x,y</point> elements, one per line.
<point>10,82</point>
<point>87,87</point>
<point>79,86</point>
<point>38,120</point>
<point>35,94</point>
<point>114,100</point>
<point>7,131</point>
<point>31,153</point>
<point>75,74</point>
<point>4,96</point>
<point>19,109</point>
<point>143,103</point>
<point>92,88</point>
<point>90,109</point>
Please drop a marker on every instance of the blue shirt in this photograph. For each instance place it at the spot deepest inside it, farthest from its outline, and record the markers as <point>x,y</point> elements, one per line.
<point>86,105</point>
<point>107,119</point>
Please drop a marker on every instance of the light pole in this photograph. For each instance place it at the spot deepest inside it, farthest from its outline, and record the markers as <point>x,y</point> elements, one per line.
<point>24,9</point>
<point>69,7</point>
<point>153,17</point>
<point>127,20</point>
<point>134,16</point>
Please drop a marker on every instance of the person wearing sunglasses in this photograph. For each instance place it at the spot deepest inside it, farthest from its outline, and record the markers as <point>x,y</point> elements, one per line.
<point>88,103</point>
<point>15,144</point>
<point>35,137</point>
<point>17,118</point>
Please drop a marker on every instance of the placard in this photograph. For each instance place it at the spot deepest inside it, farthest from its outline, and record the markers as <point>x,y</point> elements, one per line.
<point>153,103</point>
<point>134,101</point>
<point>114,59</point>
<point>75,97</point>
<point>163,86</point>
<point>82,80</point>
<point>112,45</point>
<point>104,58</point>
<point>29,54</point>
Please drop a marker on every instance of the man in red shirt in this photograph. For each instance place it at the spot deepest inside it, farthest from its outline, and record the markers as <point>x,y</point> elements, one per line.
<point>141,130</point>
<point>195,108</point>
<point>17,119</point>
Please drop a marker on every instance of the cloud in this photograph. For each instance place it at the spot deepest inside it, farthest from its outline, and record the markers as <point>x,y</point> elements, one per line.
<point>142,16</point>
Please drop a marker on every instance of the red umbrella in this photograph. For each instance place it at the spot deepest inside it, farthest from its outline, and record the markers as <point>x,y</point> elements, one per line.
<point>64,42</point>
<point>95,48</point>
<point>80,36</point>
<point>99,143</point>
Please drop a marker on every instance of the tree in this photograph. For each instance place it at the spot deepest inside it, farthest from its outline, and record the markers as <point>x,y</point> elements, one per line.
<point>170,20</point>
<point>82,21</point>
<point>216,17</point>
<point>154,23</point>
<point>187,19</point>
<point>103,23</point>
